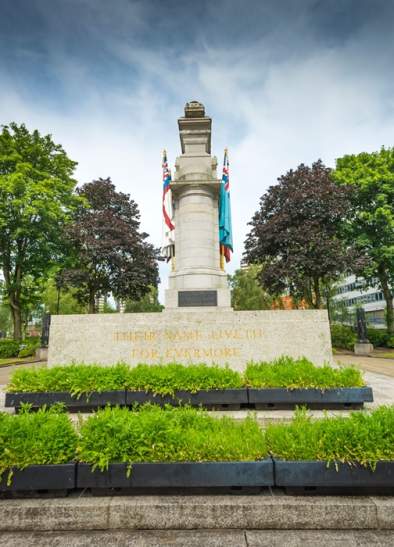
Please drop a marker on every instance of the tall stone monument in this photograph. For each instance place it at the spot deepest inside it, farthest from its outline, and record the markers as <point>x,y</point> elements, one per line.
<point>185,332</point>
<point>197,279</point>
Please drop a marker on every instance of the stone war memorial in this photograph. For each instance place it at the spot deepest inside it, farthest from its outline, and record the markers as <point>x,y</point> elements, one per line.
<point>198,324</point>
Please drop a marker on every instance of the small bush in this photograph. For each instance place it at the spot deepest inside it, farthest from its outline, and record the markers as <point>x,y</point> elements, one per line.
<point>75,379</point>
<point>360,438</point>
<point>9,348</point>
<point>342,336</point>
<point>43,437</point>
<point>153,434</point>
<point>378,337</point>
<point>166,379</point>
<point>300,373</point>
<point>28,346</point>
<point>390,342</point>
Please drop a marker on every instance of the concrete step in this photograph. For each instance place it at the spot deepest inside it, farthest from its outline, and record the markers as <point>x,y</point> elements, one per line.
<point>200,538</point>
<point>222,512</point>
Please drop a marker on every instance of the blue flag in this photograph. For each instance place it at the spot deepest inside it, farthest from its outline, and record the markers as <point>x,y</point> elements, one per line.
<point>225,229</point>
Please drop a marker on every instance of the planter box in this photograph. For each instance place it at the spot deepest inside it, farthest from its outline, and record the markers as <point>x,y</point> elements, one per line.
<point>281,398</point>
<point>214,398</point>
<point>41,478</point>
<point>310,476</point>
<point>84,402</point>
<point>188,475</point>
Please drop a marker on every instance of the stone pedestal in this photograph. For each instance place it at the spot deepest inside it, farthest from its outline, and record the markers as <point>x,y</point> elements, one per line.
<point>363,348</point>
<point>233,338</point>
<point>195,190</point>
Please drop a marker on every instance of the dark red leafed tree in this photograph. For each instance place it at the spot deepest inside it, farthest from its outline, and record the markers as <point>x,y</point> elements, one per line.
<point>111,254</point>
<point>296,234</point>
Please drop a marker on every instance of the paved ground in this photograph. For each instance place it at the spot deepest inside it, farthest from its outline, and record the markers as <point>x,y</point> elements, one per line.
<point>6,371</point>
<point>372,364</point>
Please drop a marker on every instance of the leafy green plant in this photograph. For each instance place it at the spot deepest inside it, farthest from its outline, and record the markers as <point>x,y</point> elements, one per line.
<point>300,373</point>
<point>363,438</point>
<point>42,437</point>
<point>75,379</point>
<point>166,379</point>
<point>9,348</point>
<point>342,336</point>
<point>378,337</point>
<point>154,434</point>
<point>390,342</point>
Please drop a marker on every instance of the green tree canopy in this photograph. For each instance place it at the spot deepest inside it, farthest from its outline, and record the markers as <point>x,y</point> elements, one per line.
<point>370,219</point>
<point>36,200</point>
<point>247,293</point>
<point>148,303</point>
<point>296,234</point>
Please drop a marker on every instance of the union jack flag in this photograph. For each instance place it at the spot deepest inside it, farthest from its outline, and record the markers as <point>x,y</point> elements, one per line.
<point>168,247</point>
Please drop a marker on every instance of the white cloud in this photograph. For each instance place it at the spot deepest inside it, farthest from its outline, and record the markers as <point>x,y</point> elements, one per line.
<point>272,114</point>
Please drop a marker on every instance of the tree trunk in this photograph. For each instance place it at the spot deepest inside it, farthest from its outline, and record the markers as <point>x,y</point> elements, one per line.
<point>388,296</point>
<point>14,300</point>
<point>316,290</point>
<point>92,302</point>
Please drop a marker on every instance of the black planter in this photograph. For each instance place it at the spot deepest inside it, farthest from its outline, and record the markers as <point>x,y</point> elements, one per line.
<point>281,398</point>
<point>41,478</point>
<point>83,403</point>
<point>214,398</point>
<point>175,476</point>
<point>316,477</point>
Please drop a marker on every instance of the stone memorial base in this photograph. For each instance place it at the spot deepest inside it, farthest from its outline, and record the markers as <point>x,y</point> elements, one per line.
<point>363,348</point>
<point>233,338</point>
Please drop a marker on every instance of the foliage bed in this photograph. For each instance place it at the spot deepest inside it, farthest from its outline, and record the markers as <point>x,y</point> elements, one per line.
<point>166,379</point>
<point>361,437</point>
<point>14,348</point>
<point>153,434</point>
<point>42,437</point>
<point>342,336</point>
<point>291,373</point>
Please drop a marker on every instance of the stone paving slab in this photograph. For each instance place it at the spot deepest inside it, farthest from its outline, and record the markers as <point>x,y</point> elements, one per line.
<point>197,512</point>
<point>377,365</point>
<point>328,538</point>
<point>200,538</point>
<point>125,538</point>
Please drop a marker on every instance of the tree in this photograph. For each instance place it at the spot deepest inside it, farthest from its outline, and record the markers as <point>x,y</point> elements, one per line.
<point>296,234</point>
<point>36,200</point>
<point>370,220</point>
<point>147,304</point>
<point>58,299</point>
<point>112,254</point>
<point>247,293</point>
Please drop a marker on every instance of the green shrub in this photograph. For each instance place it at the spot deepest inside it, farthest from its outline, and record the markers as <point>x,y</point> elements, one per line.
<point>43,437</point>
<point>363,438</point>
<point>76,379</point>
<point>300,373</point>
<point>160,379</point>
<point>9,348</point>
<point>28,346</point>
<point>153,434</point>
<point>378,337</point>
<point>390,342</point>
<point>166,379</point>
<point>342,336</point>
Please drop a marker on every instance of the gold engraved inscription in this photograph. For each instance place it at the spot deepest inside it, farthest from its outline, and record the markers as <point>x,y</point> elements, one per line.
<point>147,345</point>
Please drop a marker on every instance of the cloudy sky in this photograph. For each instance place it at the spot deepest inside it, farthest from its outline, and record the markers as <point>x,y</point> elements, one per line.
<point>285,81</point>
